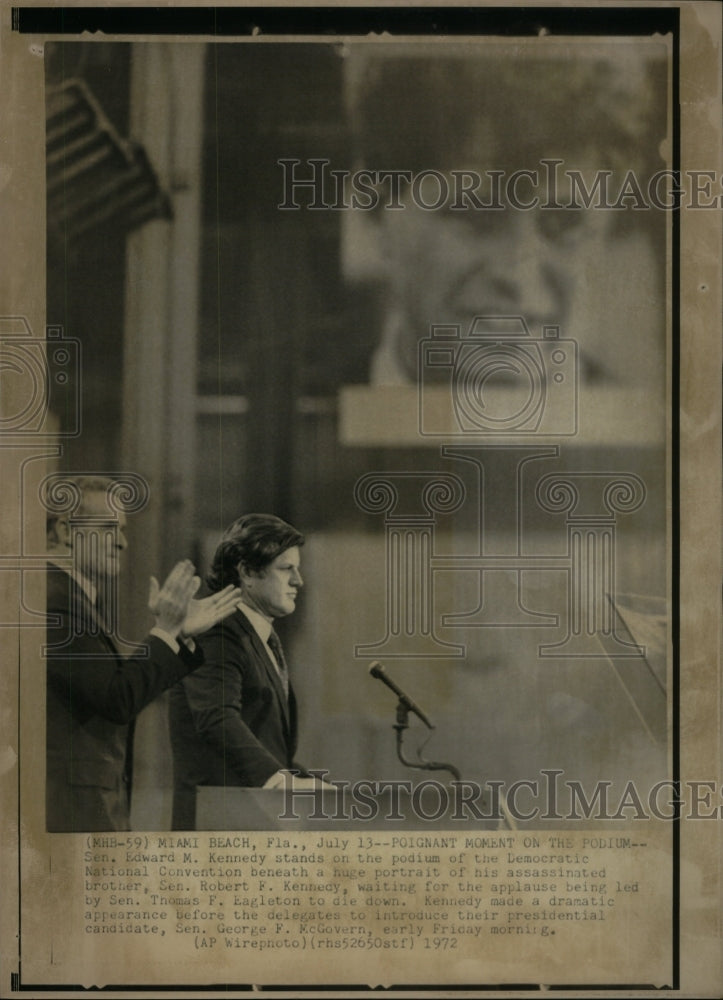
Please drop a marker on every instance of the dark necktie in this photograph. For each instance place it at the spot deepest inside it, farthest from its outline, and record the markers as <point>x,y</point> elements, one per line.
<point>275,647</point>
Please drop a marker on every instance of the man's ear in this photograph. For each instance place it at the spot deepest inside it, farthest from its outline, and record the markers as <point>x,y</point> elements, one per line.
<point>245,575</point>
<point>59,532</point>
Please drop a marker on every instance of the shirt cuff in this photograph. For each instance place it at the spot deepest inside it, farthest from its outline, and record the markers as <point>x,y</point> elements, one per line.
<point>277,780</point>
<point>165,637</point>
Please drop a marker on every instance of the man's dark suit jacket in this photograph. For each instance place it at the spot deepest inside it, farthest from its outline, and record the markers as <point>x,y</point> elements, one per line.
<point>230,723</point>
<point>93,697</point>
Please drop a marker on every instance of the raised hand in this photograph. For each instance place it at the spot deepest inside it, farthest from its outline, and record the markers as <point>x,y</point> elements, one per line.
<point>169,603</point>
<point>204,613</point>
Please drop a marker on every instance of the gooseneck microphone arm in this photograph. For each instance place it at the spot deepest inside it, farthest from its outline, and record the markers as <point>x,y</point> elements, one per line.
<point>405,705</point>
<point>378,671</point>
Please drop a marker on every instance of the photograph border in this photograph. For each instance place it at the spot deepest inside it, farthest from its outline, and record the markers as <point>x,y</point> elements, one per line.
<point>280,23</point>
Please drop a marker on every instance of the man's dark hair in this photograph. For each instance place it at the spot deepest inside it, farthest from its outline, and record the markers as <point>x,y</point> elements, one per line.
<point>254,540</point>
<point>497,108</point>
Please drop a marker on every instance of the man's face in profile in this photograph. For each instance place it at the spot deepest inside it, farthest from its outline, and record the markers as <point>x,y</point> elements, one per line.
<point>273,590</point>
<point>98,545</point>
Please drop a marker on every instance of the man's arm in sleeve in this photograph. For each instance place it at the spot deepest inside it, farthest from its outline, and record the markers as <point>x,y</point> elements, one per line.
<point>86,672</point>
<point>215,695</point>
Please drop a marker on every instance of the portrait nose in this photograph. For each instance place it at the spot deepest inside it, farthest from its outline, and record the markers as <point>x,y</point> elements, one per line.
<point>529,280</point>
<point>296,578</point>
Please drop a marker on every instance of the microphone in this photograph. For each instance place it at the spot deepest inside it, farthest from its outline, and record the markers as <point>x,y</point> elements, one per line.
<point>378,671</point>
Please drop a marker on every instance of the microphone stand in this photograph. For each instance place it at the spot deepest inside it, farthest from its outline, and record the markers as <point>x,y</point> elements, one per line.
<point>401,724</point>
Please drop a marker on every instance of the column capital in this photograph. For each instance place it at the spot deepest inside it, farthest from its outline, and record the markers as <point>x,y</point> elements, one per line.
<point>62,492</point>
<point>409,496</point>
<point>591,496</point>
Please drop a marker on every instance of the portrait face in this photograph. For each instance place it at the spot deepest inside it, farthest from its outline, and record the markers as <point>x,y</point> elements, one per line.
<point>448,266</point>
<point>100,545</point>
<point>529,241</point>
<point>273,591</point>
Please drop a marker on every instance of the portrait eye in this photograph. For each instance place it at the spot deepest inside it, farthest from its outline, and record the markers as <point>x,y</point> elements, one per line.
<point>481,222</point>
<point>560,224</point>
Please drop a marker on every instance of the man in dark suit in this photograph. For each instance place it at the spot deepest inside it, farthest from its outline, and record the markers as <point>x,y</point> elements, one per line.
<point>93,694</point>
<point>233,721</point>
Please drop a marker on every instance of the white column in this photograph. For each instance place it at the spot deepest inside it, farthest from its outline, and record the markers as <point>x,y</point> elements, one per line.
<point>159,369</point>
<point>162,291</point>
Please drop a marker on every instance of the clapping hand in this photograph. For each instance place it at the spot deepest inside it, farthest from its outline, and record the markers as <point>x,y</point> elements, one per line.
<point>169,603</point>
<point>204,613</point>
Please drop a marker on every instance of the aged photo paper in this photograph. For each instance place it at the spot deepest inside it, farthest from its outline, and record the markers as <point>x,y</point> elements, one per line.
<point>405,322</point>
